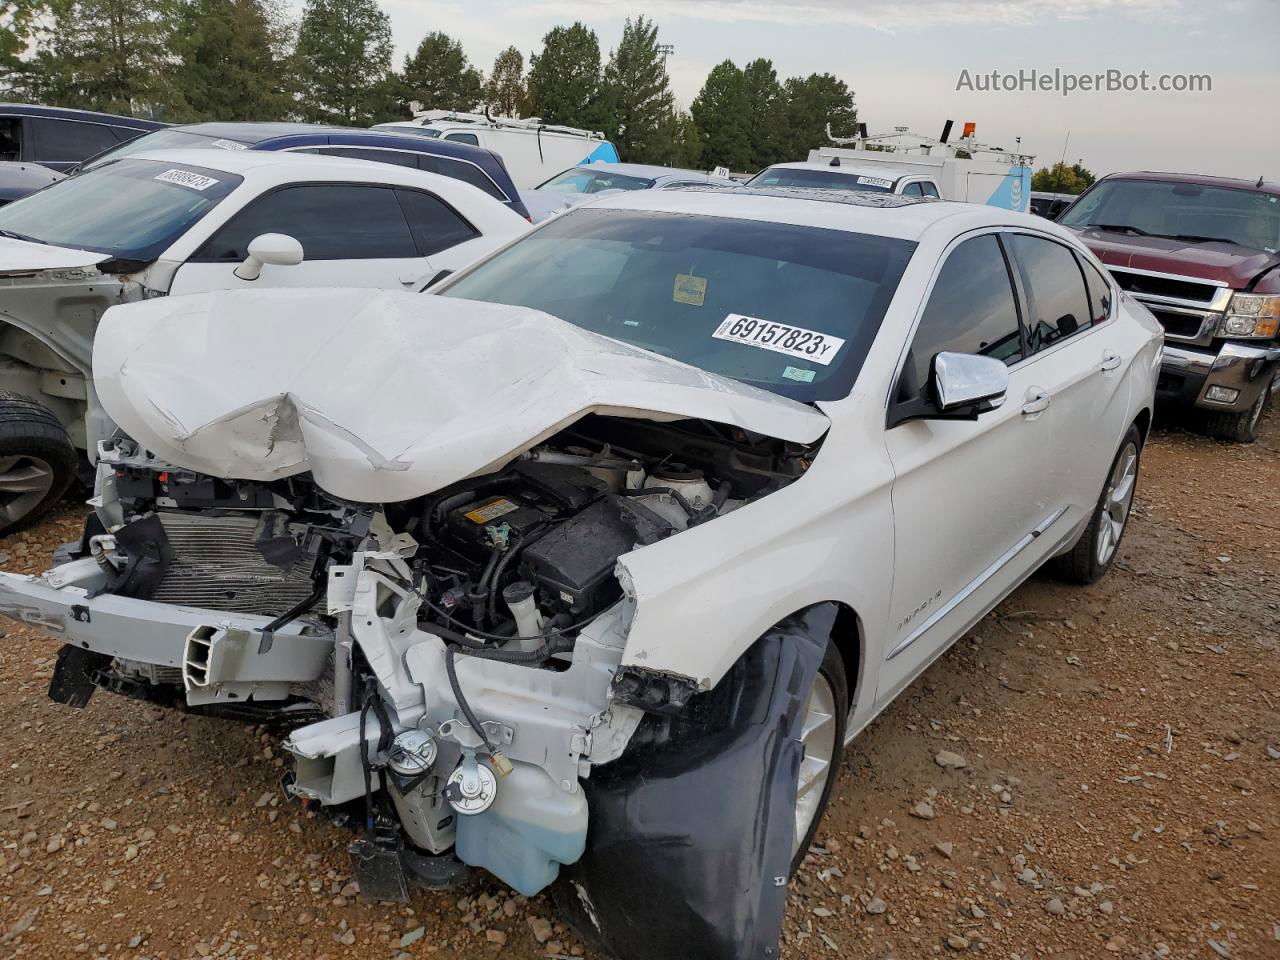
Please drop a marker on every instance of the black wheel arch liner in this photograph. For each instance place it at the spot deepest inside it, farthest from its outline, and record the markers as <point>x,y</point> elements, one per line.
<point>689,847</point>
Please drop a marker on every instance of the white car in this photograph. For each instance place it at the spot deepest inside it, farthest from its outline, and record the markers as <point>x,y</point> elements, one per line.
<point>834,175</point>
<point>568,188</point>
<point>190,221</point>
<point>584,570</point>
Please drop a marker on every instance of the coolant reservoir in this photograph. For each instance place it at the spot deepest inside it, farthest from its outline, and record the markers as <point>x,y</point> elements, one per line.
<point>532,828</point>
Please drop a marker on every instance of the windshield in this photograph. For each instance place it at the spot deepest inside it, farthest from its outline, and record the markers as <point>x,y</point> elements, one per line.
<point>789,308</point>
<point>130,209</point>
<point>161,140</point>
<point>1181,211</point>
<point>827,179</point>
<point>580,180</point>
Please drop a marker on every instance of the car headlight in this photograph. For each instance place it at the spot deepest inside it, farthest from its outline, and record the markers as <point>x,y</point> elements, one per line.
<point>1252,315</point>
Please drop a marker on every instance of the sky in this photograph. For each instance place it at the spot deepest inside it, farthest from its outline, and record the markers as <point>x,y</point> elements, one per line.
<point>905,59</point>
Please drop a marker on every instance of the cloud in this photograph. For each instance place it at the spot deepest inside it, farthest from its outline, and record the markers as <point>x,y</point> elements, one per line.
<point>887,15</point>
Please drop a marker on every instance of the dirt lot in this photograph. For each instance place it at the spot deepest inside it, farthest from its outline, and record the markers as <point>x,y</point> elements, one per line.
<point>1119,794</point>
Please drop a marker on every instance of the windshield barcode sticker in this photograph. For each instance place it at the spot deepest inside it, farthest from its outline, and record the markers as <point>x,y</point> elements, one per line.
<point>185,178</point>
<point>780,338</point>
<point>227,145</point>
<point>875,182</point>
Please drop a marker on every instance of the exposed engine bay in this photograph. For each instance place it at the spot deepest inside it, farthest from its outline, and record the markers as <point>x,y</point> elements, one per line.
<point>448,665</point>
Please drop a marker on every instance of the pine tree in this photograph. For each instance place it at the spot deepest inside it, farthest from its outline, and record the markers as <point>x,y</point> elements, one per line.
<point>722,112</point>
<point>637,94</point>
<point>506,90</point>
<point>440,77</point>
<point>232,61</point>
<point>344,62</point>
<point>815,103</point>
<point>564,79</point>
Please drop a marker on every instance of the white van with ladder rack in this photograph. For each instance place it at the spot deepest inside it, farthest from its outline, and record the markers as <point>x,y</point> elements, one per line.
<point>532,150</point>
<point>963,170</point>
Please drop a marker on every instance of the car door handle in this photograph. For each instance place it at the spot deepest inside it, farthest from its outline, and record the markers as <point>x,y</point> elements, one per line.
<point>1110,361</point>
<point>1036,402</point>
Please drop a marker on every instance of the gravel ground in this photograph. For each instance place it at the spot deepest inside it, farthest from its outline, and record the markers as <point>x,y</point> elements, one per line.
<point>1089,773</point>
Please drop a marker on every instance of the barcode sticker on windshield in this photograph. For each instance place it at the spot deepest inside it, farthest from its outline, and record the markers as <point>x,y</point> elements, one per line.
<point>185,178</point>
<point>228,145</point>
<point>780,338</point>
<point>875,182</point>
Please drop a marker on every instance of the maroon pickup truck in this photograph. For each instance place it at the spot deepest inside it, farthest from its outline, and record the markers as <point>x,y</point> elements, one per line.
<point>1203,255</point>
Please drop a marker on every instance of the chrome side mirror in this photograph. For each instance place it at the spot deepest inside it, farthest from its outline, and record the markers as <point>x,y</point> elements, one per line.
<point>968,380</point>
<point>274,248</point>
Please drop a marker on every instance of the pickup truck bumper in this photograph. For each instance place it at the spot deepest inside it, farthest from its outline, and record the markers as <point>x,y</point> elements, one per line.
<point>1188,375</point>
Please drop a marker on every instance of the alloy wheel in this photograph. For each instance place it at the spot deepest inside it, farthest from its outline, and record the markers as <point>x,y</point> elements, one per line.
<point>818,739</point>
<point>1116,502</point>
<point>24,482</point>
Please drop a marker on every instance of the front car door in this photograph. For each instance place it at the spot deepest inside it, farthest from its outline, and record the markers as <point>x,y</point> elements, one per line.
<point>355,235</point>
<point>968,495</point>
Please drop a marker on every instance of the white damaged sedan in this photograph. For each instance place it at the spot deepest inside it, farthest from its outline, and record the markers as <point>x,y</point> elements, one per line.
<point>584,570</point>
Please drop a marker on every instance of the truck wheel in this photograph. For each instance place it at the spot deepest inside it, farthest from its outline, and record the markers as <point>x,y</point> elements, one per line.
<point>1240,427</point>
<point>825,714</point>
<point>1096,549</point>
<point>37,461</point>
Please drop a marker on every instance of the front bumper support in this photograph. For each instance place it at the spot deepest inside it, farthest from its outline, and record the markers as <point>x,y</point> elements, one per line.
<point>65,605</point>
<point>1187,374</point>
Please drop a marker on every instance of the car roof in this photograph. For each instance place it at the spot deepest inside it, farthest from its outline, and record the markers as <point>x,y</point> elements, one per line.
<point>906,218</point>
<point>651,170</point>
<point>273,167</point>
<point>1203,180</point>
<point>246,132</point>
<point>66,113</point>
<point>880,173</point>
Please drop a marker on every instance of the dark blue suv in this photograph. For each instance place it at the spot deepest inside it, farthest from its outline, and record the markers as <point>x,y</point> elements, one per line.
<point>474,165</point>
<point>60,139</point>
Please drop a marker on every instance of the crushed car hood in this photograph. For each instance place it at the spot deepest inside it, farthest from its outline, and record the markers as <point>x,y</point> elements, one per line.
<point>23,256</point>
<point>1233,265</point>
<point>386,396</point>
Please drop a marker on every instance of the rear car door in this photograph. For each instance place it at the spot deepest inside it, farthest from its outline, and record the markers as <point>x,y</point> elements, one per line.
<point>1070,347</point>
<point>968,494</point>
<point>355,235</point>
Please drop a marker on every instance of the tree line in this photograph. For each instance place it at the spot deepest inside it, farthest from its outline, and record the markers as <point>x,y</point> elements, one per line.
<point>185,61</point>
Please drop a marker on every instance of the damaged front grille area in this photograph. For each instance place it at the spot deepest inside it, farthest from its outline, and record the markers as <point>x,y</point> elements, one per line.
<point>219,563</point>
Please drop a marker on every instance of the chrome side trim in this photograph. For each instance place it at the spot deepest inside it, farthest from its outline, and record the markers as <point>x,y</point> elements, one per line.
<point>976,582</point>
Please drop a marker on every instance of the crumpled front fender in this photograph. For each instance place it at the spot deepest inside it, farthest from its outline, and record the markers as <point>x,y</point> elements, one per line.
<point>689,844</point>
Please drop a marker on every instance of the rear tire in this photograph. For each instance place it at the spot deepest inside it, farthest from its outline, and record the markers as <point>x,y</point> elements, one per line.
<point>1240,427</point>
<point>37,461</point>
<point>1098,546</point>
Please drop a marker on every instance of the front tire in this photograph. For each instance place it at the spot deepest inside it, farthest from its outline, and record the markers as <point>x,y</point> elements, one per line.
<point>1241,427</point>
<point>1097,547</point>
<point>824,717</point>
<point>37,461</point>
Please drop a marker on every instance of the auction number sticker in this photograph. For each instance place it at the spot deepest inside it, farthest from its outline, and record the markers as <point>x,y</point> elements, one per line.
<point>228,145</point>
<point>780,338</point>
<point>185,178</point>
<point>876,182</point>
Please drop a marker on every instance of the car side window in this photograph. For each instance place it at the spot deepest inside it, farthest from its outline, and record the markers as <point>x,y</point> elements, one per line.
<point>332,221</point>
<point>1058,305</point>
<point>10,138</point>
<point>971,309</point>
<point>67,140</point>
<point>401,158</point>
<point>1099,291</point>
<point>470,138</point>
<point>435,225</point>
<point>912,190</point>
<point>928,189</point>
<point>460,170</point>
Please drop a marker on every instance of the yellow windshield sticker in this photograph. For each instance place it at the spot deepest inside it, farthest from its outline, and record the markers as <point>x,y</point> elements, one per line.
<point>689,289</point>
